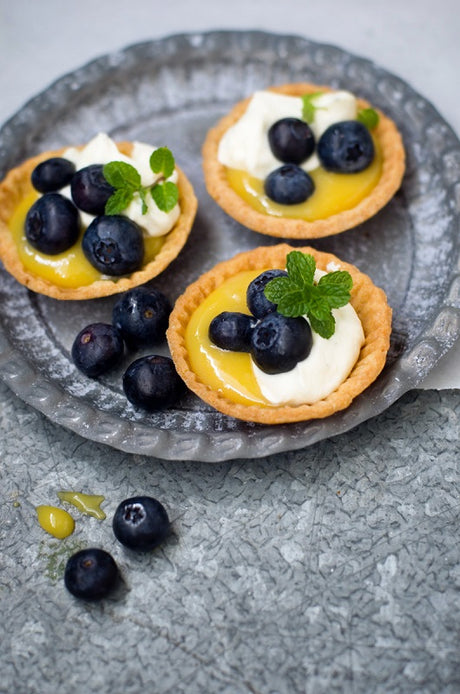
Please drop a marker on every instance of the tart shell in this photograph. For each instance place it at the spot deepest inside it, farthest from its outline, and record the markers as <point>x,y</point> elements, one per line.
<point>220,190</point>
<point>369,302</point>
<point>17,185</point>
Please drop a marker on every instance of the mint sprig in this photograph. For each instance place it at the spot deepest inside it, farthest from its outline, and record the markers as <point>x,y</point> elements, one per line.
<point>308,107</point>
<point>126,181</point>
<point>368,117</point>
<point>297,294</point>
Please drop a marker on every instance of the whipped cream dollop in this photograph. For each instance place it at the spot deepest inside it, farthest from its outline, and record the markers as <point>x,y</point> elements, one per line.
<point>245,144</point>
<point>324,369</point>
<point>102,150</point>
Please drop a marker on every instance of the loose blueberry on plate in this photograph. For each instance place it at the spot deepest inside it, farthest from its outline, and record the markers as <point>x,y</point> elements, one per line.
<point>90,574</point>
<point>232,330</point>
<point>141,523</point>
<point>52,174</point>
<point>346,147</point>
<point>52,224</point>
<point>279,343</point>
<point>152,383</point>
<point>256,300</point>
<point>291,140</point>
<point>97,348</point>
<point>90,190</point>
<point>289,185</point>
<point>114,245</point>
<point>141,315</point>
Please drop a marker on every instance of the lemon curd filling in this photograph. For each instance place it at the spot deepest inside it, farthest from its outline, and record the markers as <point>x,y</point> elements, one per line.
<point>334,192</point>
<point>68,269</point>
<point>227,372</point>
<point>55,521</point>
<point>90,504</point>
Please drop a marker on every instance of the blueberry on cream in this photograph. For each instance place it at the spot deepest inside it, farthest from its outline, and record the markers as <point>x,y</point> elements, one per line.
<point>246,145</point>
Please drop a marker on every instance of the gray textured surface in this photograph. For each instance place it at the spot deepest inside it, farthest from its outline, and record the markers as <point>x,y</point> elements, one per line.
<point>331,569</point>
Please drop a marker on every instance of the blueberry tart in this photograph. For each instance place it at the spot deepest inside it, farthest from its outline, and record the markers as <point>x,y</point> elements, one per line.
<point>280,334</point>
<point>303,161</point>
<point>95,220</point>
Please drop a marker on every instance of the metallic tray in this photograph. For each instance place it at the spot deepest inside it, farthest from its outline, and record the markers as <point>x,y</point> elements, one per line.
<point>170,92</point>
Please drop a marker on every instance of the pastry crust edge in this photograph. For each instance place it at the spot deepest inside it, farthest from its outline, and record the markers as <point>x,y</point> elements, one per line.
<point>369,301</point>
<point>17,184</point>
<point>218,187</point>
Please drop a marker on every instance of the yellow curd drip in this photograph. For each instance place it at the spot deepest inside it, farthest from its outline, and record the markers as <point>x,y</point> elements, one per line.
<point>334,192</point>
<point>90,504</point>
<point>55,521</point>
<point>225,371</point>
<point>68,269</point>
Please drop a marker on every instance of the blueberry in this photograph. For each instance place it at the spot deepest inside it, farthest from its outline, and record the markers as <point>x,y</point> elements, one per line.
<point>232,330</point>
<point>289,185</point>
<point>152,383</point>
<point>97,348</point>
<point>90,190</point>
<point>114,245</point>
<point>52,174</point>
<point>140,523</point>
<point>52,224</point>
<point>346,147</point>
<point>90,574</point>
<point>291,140</point>
<point>256,300</point>
<point>142,315</point>
<point>279,343</point>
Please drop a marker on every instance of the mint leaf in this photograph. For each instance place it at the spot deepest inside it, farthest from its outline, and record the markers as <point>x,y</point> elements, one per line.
<point>368,117</point>
<point>126,180</point>
<point>308,107</point>
<point>299,295</point>
<point>289,298</point>
<point>277,288</point>
<point>324,326</point>
<point>300,267</point>
<point>335,288</point>
<point>165,195</point>
<point>118,201</point>
<point>162,161</point>
<point>142,194</point>
<point>121,175</point>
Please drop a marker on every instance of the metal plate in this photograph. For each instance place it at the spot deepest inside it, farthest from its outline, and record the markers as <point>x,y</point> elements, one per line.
<point>170,92</point>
